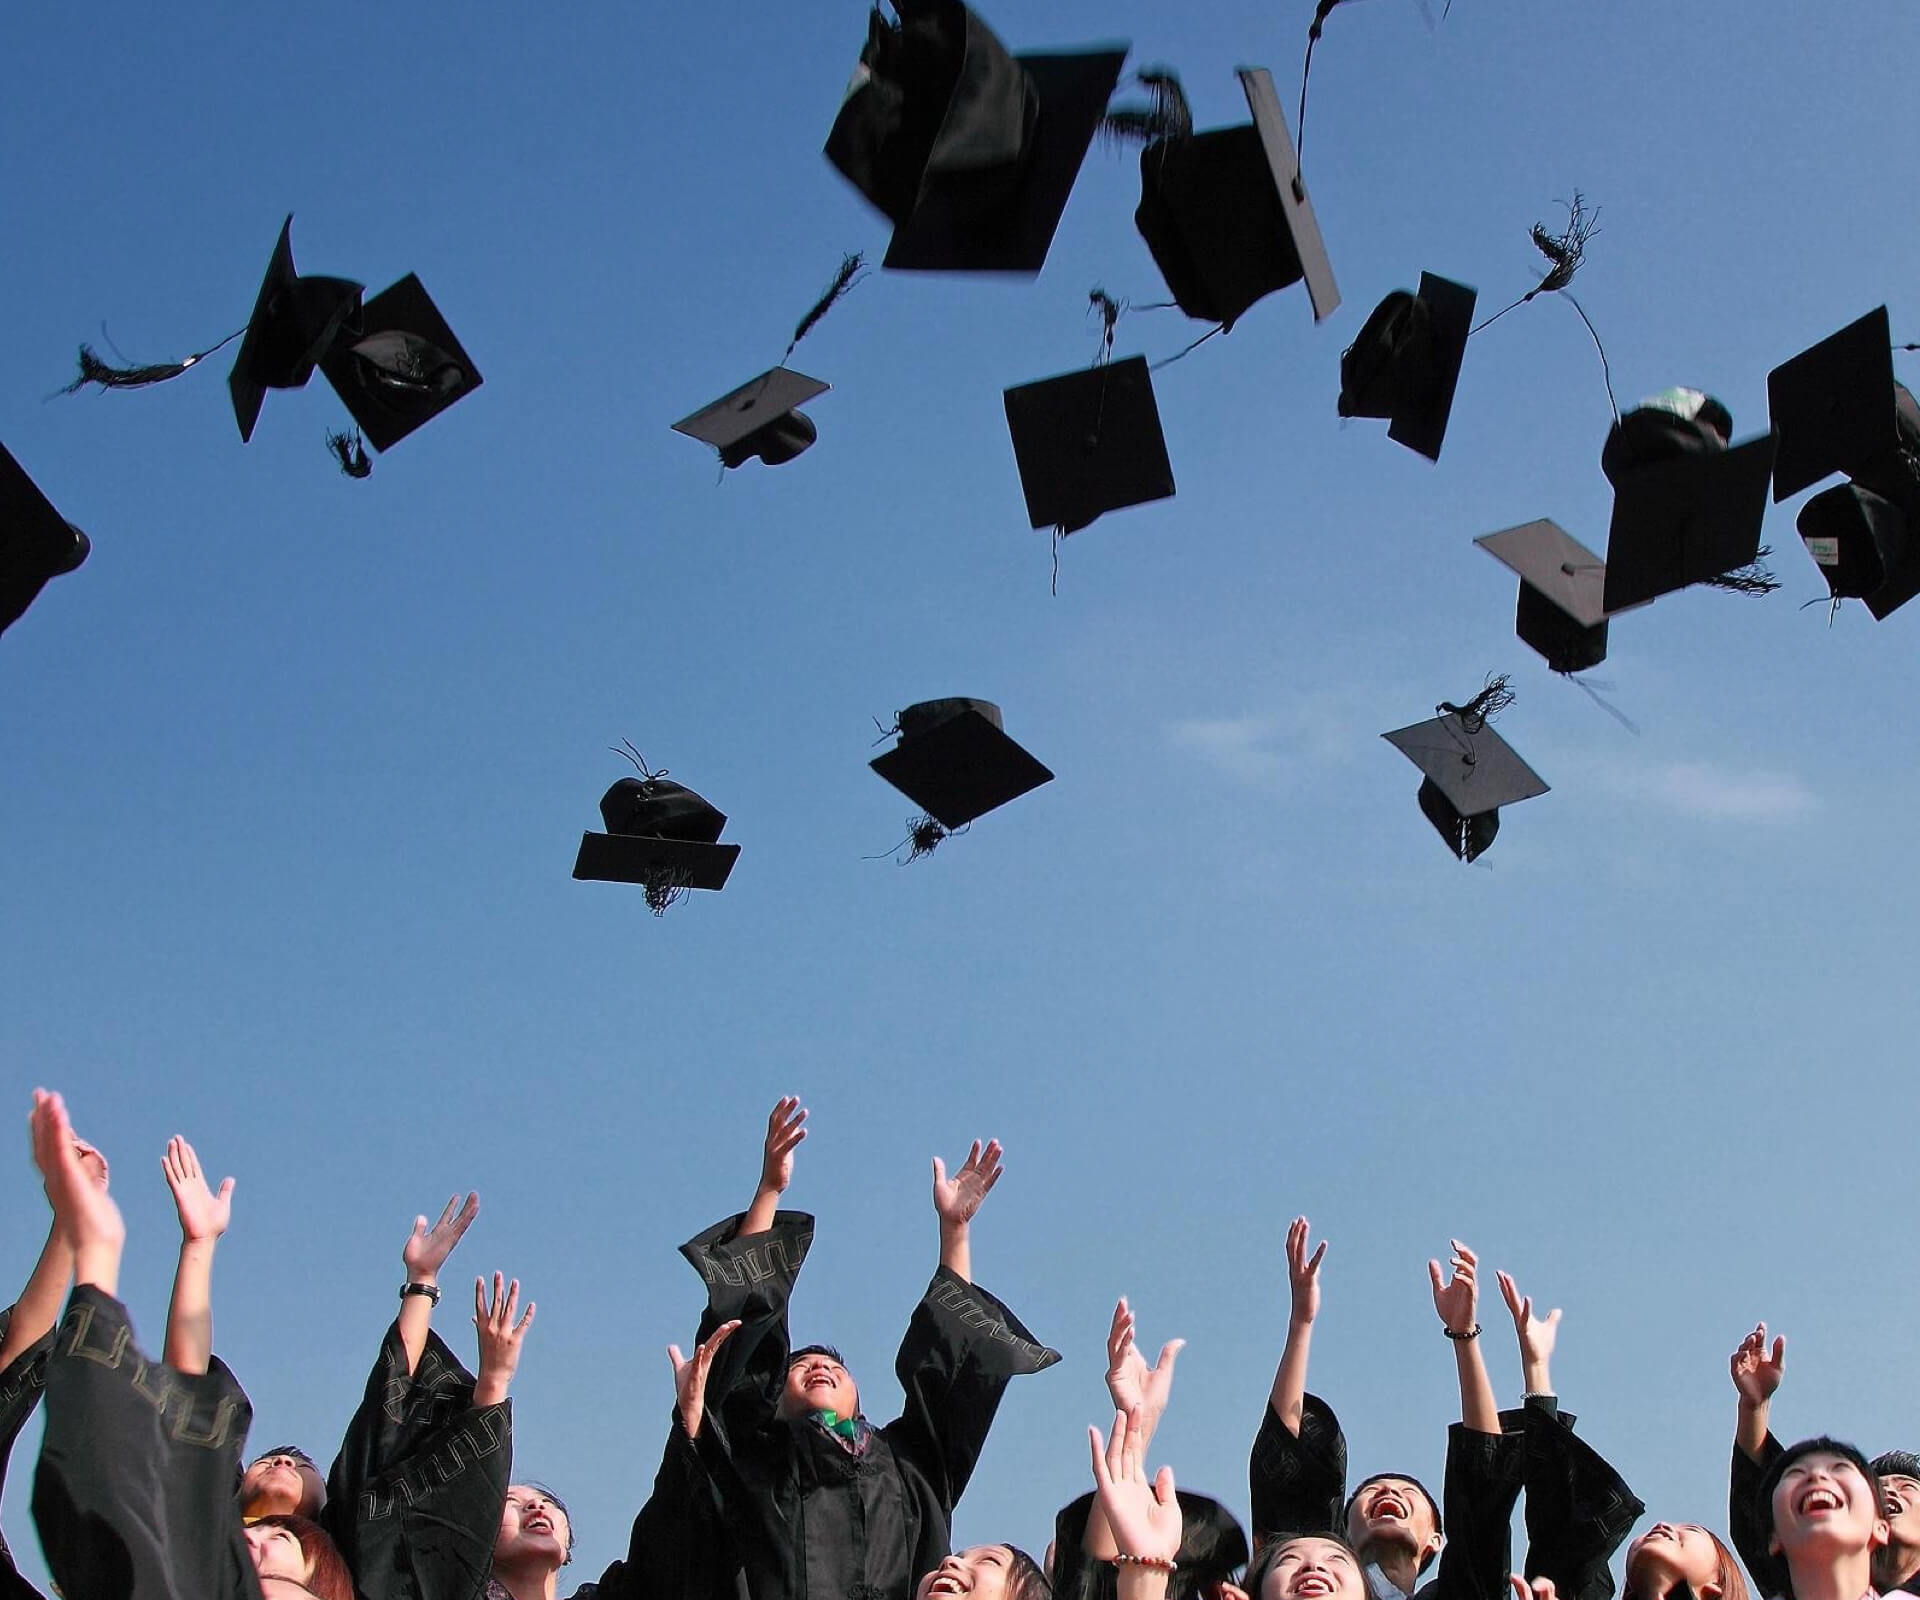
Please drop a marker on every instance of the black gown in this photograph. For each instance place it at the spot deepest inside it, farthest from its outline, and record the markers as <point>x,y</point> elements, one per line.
<point>1745,1529</point>
<point>811,1519</point>
<point>1579,1509</point>
<point>20,1385</point>
<point>133,1496</point>
<point>1299,1485</point>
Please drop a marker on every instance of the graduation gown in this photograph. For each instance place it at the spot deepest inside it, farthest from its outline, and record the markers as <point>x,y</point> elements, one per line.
<point>1744,1527</point>
<point>1579,1510</point>
<point>1299,1485</point>
<point>809,1518</point>
<point>20,1385</point>
<point>133,1496</point>
<point>415,1496</point>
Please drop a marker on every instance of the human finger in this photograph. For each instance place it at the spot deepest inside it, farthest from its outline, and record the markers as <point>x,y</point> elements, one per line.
<point>1319,1255</point>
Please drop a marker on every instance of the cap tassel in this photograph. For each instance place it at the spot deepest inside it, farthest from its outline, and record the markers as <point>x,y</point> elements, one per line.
<point>351,453</point>
<point>94,370</point>
<point>1565,251</point>
<point>849,274</point>
<point>924,834</point>
<point>1484,706</point>
<point>1167,116</point>
<point>1592,692</point>
<point>664,888</point>
<point>1755,578</point>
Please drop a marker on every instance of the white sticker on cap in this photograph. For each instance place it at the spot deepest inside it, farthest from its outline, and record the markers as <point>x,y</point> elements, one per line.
<point>1826,551</point>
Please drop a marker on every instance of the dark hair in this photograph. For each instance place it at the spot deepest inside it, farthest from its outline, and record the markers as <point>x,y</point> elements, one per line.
<point>560,1505</point>
<point>1896,1464</point>
<point>292,1450</point>
<point>1346,1511</point>
<point>1763,1501</point>
<point>1732,1581</point>
<point>826,1350</point>
<point>330,1579</point>
<point>1269,1555</point>
<point>1025,1579</point>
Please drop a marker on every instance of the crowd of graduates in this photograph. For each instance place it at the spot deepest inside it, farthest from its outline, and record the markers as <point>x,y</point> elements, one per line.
<point>775,1485</point>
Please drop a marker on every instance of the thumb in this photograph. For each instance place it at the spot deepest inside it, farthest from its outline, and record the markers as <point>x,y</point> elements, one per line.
<point>226,1189</point>
<point>679,1361</point>
<point>1169,1353</point>
<point>939,1170</point>
<point>1163,1486</point>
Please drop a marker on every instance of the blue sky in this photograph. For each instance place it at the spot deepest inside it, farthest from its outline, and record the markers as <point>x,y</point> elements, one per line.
<point>294,767</point>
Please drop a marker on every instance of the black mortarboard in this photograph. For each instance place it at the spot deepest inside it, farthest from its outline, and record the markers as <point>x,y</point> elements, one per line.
<point>1859,540</point>
<point>294,321</point>
<point>397,365</point>
<point>970,151</point>
<point>36,542</point>
<point>1405,362</point>
<point>955,761</point>
<point>1686,507</point>
<point>1560,611</point>
<point>1088,442</point>
<point>1468,776</point>
<point>659,834</point>
<point>1227,217</point>
<point>1833,406</point>
<point>761,418</point>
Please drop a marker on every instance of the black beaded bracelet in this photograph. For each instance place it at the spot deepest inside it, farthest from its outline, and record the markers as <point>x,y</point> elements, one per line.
<point>430,1290</point>
<point>1471,1333</point>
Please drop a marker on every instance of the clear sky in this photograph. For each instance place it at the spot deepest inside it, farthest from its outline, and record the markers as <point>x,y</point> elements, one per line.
<point>292,772</point>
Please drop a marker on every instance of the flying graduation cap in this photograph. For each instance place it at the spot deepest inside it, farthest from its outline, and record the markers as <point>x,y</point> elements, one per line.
<point>969,151</point>
<point>36,542</point>
<point>397,365</point>
<point>1405,362</point>
<point>660,835</point>
<point>1225,212</point>
<point>1467,770</point>
<point>1687,508</point>
<point>956,762</point>
<point>1561,611</point>
<point>1088,442</point>
<point>1837,408</point>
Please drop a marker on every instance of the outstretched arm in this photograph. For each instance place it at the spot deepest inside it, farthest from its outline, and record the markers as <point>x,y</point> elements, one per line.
<point>1289,1396</point>
<point>1457,1300</point>
<point>38,1308</point>
<point>1756,1374</point>
<point>84,1214</point>
<point>1144,1514</point>
<point>786,1127</point>
<point>1138,1391</point>
<point>423,1255</point>
<point>956,1199</point>
<point>1536,1336</point>
<point>204,1216</point>
<point>690,1378</point>
<point>500,1338</point>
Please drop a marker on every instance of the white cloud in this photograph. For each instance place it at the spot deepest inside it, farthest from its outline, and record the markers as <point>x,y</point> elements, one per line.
<point>1719,794</point>
<point>1313,733</point>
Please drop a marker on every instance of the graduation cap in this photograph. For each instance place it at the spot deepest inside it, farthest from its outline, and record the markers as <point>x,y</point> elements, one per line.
<point>36,542</point>
<point>1561,612</point>
<point>1687,508</point>
<point>660,835</point>
<point>1226,214</point>
<point>1863,545</point>
<point>1835,407</point>
<point>971,152</point>
<point>294,321</point>
<point>761,418</point>
<point>955,761</point>
<point>1405,362</point>
<point>397,366</point>
<point>1469,772</point>
<point>1088,442</point>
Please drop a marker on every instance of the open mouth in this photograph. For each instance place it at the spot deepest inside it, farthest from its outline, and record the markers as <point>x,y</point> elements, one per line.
<point>1390,1504</point>
<point>946,1583</point>
<point>1313,1586</point>
<point>1818,1499</point>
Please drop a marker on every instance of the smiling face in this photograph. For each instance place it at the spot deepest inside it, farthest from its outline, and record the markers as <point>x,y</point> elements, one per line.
<point>1900,1504</point>
<point>277,1553</point>
<point>534,1531</point>
<point>1672,1553</point>
<point>1313,1569</point>
<point>1823,1505</point>
<point>981,1572</point>
<point>282,1483</point>
<point>817,1382</point>
<point>1392,1514</point>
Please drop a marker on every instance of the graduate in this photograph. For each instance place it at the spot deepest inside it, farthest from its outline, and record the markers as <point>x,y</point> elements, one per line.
<point>1819,1513</point>
<point>1682,1559</point>
<point>818,1501</point>
<point>1298,1468</point>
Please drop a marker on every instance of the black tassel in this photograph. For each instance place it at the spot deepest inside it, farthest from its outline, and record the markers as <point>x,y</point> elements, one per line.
<point>1109,308</point>
<point>664,889</point>
<point>350,453</point>
<point>1755,578</point>
<point>848,275</point>
<point>923,838</point>
<point>1167,117</point>
<point>94,370</point>
<point>1566,249</point>
<point>1483,707</point>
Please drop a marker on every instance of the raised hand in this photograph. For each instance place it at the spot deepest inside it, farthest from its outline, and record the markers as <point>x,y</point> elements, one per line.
<point>500,1337</point>
<point>427,1249</point>
<point>1756,1374</point>
<point>956,1199</point>
<point>690,1377</point>
<point>1131,1383</point>
<point>1539,1589</point>
<point>1303,1272</point>
<point>1457,1299</point>
<point>786,1128</point>
<point>85,1215</point>
<point>1536,1335</point>
<point>92,1162</point>
<point>204,1215</point>
<point>1143,1516</point>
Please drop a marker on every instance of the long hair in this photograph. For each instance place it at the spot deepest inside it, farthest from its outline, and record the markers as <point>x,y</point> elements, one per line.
<point>328,1578</point>
<point>1732,1581</point>
<point>1026,1579</point>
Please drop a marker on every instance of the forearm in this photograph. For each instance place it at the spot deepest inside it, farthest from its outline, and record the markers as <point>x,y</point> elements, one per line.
<point>1536,1375</point>
<point>490,1388</point>
<point>1478,1408</point>
<point>1289,1395</point>
<point>759,1216</point>
<point>1135,1582</point>
<point>38,1307</point>
<point>956,1250</point>
<point>415,1321</point>
<point>1750,1428</point>
<point>189,1346</point>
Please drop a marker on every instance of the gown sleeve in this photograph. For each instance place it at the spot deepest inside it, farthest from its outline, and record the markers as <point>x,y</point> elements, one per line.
<point>1578,1508</point>
<point>750,1278</point>
<point>20,1385</point>
<point>961,1349</point>
<point>1768,1572</point>
<point>1483,1481</point>
<point>133,1496</point>
<point>678,1549</point>
<point>1298,1482</point>
<point>415,1496</point>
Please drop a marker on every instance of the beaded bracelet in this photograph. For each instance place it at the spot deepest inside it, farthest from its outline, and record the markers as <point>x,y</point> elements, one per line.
<point>1470,1333</point>
<point>1157,1563</point>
